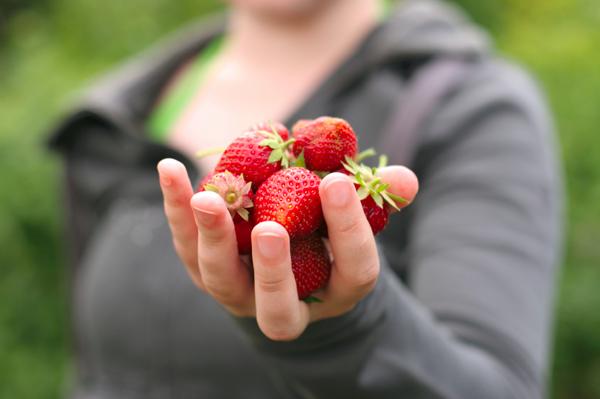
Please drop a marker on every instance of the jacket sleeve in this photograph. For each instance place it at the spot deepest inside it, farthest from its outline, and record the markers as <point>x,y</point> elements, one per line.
<point>473,320</point>
<point>81,143</point>
<point>100,161</point>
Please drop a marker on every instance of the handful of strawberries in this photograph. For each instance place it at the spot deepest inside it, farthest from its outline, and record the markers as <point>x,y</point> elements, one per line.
<point>266,174</point>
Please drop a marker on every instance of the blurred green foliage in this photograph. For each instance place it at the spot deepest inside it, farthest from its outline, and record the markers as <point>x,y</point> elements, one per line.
<point>49,49</point>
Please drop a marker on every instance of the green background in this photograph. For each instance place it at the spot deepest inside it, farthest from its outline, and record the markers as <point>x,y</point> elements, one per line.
<point>49,49</point>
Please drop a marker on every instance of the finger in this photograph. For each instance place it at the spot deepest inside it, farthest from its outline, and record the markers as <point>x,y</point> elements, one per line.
<point>224,275</point>
<point>403,182</point>
<point>177,191</point>
<point>356,263</point>
<point>279,313</point>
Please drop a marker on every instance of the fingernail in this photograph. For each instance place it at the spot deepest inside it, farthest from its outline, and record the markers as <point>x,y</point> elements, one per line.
<point>338,192</point>
<point>204,216</point>
<point>270,245</point>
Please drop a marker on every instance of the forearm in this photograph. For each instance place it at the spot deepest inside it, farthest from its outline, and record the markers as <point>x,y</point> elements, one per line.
<point>388,346</point>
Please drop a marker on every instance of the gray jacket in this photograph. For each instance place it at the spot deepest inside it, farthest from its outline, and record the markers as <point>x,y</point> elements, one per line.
<point>463,308</point>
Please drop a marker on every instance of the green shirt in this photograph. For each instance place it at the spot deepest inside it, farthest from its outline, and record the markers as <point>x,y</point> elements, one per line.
<point>173,104</point>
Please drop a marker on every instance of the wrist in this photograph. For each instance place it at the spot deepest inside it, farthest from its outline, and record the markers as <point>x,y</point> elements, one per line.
<point>358,322</point>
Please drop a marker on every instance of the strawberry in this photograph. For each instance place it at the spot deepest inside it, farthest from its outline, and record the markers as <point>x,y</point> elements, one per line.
<point>290,197</point>
<point>377,202</point>
<point>303,135</point>
<point>243,234</point>
<point>310,264</point>
<point>300,123</point>
<point>377,216</point>
<point>237,194</point>
<point>325,141</point>
<point>278,127</point>
<point>256,155</point>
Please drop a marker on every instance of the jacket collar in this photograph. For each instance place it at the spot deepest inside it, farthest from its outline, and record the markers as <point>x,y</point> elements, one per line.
<point>125,97</point>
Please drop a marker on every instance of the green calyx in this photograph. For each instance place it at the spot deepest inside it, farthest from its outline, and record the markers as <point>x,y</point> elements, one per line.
<point>299,161</point>
<point>235,192</point>
<point>244,213</point>
<point>370,152</point>
<point>312,299</point>
<point>370,184</point>
<point>279,147</point>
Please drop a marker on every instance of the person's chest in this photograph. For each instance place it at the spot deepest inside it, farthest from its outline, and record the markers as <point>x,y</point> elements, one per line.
<point>235,97</point>
<point>141,324</point>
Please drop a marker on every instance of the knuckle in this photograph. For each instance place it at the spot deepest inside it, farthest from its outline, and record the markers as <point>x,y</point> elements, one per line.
<point>211,263</point>
<point>365,278</point>
<point>175,200</point>
<point>365,245</point>
<point>182,232</point>
<point>213,235</point>
<point>269,284</point>
<point>223,294</point>
<point>349,226</point>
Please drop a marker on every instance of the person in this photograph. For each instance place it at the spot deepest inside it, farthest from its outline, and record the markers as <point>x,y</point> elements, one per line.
<point>454,300</point>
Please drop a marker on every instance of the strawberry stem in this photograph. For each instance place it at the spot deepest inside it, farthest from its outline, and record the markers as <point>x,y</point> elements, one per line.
<point>371,184</point>
<point>370,152</point>
<point>278,147</point>
<point>383,160</point>
<point>300,162</point>
<point>288,142</point>
<point>209,151</point>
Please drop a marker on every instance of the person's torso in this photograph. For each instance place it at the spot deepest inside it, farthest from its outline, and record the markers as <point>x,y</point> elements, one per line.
<point>142,328</point>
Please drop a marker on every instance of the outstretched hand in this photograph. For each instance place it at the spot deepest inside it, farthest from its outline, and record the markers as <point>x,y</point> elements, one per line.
<point>204,238</point>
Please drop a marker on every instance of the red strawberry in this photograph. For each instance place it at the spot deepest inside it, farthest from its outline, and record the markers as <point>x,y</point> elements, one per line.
<point>326,141</point>
<point>237,194</point>
<point>277,127</point>
<point>310,264</point>
<point>299,124</point>
<point>243,231</point>
<point>297,133</point>
<point>256,155</point>
<point>378,216</point>
<point>290,197</point>
<point>302,135</point>
<point>376,201</point>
